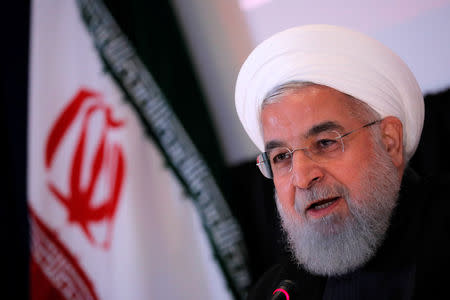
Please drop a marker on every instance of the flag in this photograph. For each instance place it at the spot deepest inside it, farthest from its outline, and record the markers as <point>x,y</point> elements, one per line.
<point>121,203</point>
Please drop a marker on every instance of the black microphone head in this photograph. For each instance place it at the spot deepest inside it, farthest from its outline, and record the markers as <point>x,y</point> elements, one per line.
<point>284,291</point>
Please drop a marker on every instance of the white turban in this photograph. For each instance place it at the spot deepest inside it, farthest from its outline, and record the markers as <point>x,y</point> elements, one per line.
<point>345,60</point>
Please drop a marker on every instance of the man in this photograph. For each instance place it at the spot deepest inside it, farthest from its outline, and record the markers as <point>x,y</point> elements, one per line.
<point>337,117</point>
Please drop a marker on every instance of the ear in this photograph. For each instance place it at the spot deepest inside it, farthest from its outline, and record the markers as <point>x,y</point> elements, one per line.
<point>392,137</point>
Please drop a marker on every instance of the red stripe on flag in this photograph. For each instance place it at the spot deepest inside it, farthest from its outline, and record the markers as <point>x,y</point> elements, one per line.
<point>55,273</point>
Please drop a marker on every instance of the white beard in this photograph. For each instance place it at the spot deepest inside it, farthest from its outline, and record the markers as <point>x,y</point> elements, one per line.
<point>338,244</point>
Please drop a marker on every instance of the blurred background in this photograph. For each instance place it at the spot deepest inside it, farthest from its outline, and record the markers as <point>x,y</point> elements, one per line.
<point>193,50</point>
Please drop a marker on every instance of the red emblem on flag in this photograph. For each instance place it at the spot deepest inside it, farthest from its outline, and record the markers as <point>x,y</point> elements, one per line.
<point>103,165</point>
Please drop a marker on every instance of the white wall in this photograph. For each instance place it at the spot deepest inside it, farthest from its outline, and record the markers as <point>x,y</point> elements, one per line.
<point>221,33</point>
<point>217,35</point>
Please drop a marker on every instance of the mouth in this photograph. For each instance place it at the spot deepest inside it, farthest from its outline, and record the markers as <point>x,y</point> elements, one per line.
<point>321,208</point>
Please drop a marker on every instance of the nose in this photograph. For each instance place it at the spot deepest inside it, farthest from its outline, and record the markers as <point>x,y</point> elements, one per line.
<point>305,172</point>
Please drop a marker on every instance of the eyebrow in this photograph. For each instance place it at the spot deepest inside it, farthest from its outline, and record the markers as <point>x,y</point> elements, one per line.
<point>315,130</point>
<point>324,126</point>
<point>274,144</point>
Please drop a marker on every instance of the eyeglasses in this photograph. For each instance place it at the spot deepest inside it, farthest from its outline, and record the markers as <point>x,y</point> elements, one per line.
<point>323,147</point>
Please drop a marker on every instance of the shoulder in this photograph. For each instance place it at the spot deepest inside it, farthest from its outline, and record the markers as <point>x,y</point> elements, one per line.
<point>429,192</point>
<point>433,259</point>
<point>436,202</point>
<point>430,198</point>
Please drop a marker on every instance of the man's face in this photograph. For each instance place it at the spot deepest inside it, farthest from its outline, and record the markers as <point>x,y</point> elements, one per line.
<point>335,213</point>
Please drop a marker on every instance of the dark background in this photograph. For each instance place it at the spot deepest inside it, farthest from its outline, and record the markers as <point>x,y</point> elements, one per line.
<point>13,117</point>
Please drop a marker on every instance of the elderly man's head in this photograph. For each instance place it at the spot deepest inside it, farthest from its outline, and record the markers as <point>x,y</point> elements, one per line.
<point>337,115</point>
<point>336,178</point>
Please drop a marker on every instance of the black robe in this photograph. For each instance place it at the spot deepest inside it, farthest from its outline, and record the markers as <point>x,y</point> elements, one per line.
<point>412,263</point>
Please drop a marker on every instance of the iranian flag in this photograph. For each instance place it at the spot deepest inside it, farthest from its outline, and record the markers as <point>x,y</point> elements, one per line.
<point>121,204</point>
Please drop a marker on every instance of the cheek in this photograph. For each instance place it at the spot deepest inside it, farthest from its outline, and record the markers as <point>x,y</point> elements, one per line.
<point>350,174</point>
<point>351,167</point>
<point>286,195</point>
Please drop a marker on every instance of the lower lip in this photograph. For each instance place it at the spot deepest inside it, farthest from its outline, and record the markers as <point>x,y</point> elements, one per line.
<point>319,213</point>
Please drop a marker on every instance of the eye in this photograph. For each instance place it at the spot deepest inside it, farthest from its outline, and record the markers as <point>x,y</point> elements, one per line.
<point>281,156</point>
<point>325,145</point>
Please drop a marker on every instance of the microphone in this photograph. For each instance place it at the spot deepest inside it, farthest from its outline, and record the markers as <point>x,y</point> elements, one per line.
<point>284,291</point>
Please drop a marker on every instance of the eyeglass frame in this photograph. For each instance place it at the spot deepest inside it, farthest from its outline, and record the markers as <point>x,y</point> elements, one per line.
<point>265,154</point>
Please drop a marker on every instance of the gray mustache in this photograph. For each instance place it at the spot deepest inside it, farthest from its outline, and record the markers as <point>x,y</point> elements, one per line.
<point>303,198</point>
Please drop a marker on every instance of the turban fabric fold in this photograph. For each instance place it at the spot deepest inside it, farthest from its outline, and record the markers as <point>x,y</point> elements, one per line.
<point>337,57</point>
